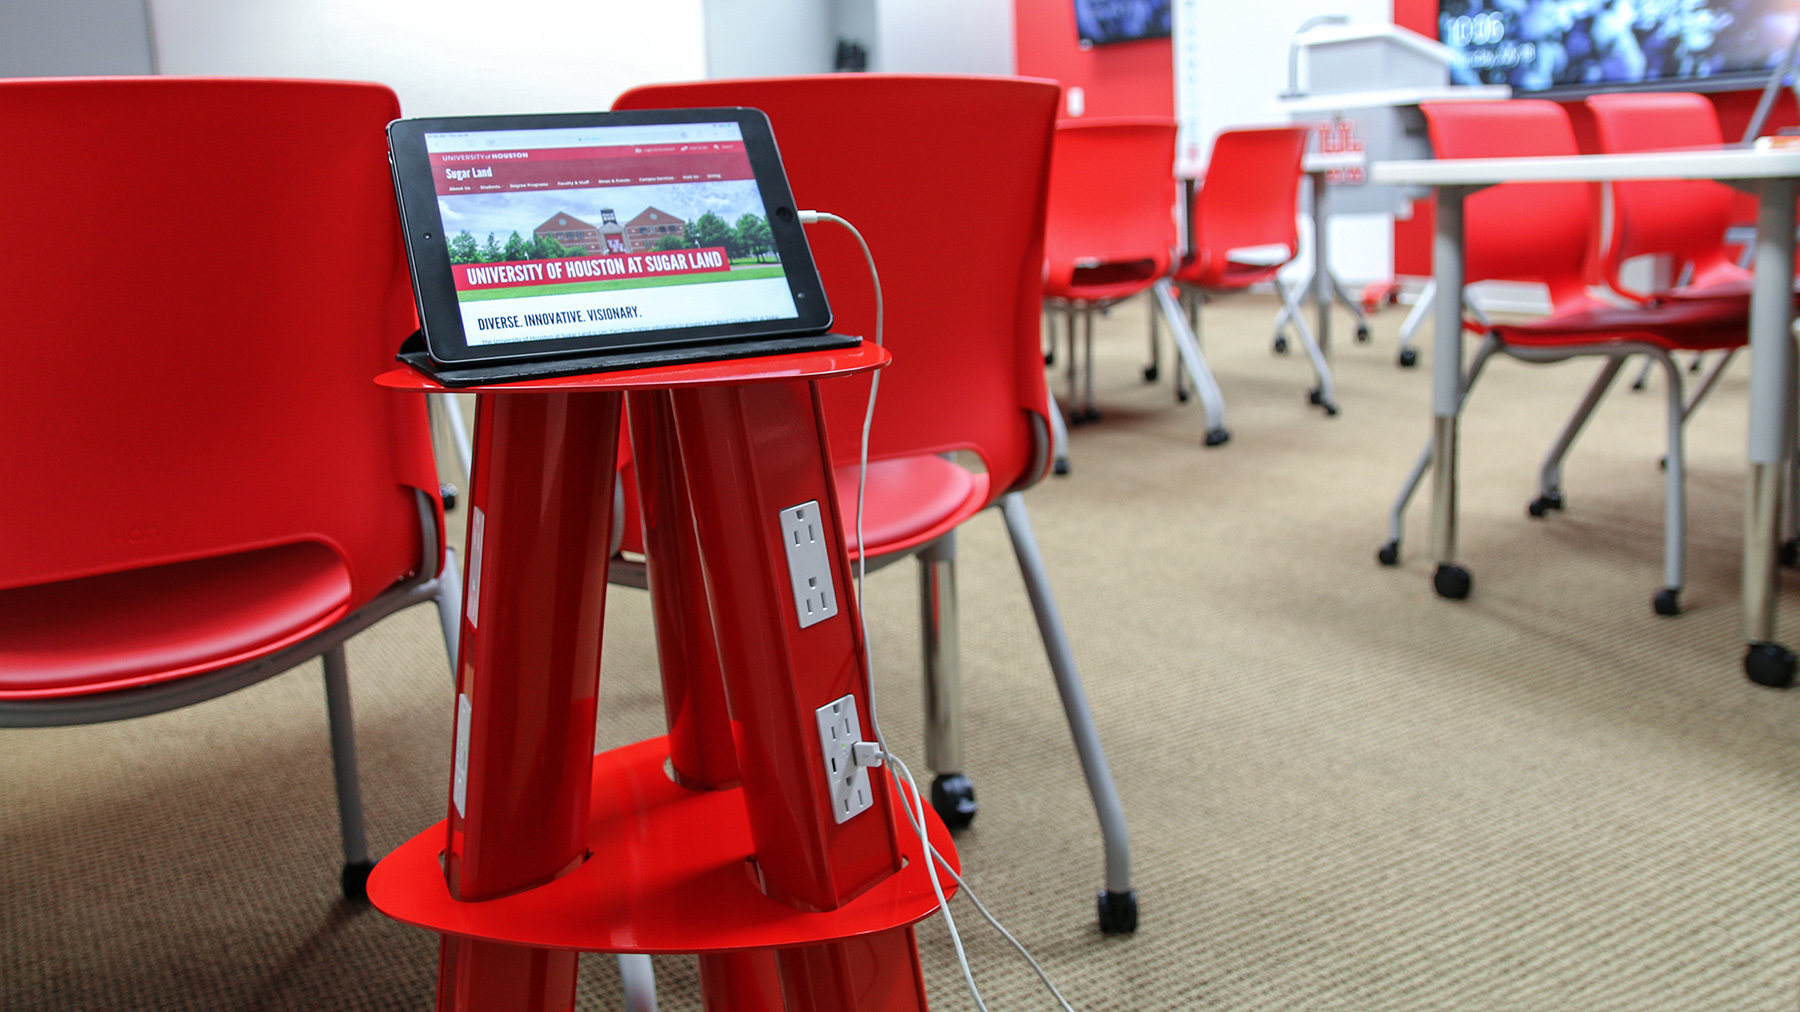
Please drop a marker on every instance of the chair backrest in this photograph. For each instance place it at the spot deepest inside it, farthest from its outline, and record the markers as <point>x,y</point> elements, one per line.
<point>1250,197</point>
<point>945,177</point>
<point>203,279</point>
<point>1112,198</point>
<point>1683,219</point>
<point>1518,231</point>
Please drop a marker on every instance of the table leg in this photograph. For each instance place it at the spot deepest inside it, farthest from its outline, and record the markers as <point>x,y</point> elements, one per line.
<point>1323,295</point>
<point>539,536</point>
<point>1450,579</point>
<point>751,454</point>
<point>1767,662</point>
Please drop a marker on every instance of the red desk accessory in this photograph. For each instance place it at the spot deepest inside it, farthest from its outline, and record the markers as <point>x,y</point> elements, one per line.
<point>548,850</point>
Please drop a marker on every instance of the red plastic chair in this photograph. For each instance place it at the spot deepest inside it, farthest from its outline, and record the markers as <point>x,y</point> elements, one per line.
<point>1684,220</point>
<point>1248,199</point>
<point>206,487</point>
<point>1543,232</point>
<point>1111,235</point>
<point>892,154</point>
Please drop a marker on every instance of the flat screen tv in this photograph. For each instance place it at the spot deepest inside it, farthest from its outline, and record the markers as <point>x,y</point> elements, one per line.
<point>1583,46</point>
<point>1099,22</point>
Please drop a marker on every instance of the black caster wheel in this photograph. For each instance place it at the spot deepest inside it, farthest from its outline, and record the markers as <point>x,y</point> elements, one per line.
<point>447,494</point>
<point>1789,553</point>
<point>355,881</point>
<point>1060,468</point>
<point>1280,346</point>
<point>1770,664</point>
<point>1182,395</point>
<point>1543,504</point>
<point>1312,396</point>
<point>1118,912</point>
<point>1331,409</point>
<point>1408,358</point>
<point>1452,581</point>
<point>1217,437</point>
<point>1389,555</point>
<point>1150,373</point>
<point>1637,385</point>
<point>1362,333</point>
<point>1662,463</point>
<point>1667,601</point>
<point>1086,415</point>
<point>1049,358</point>
<point>954,798</point>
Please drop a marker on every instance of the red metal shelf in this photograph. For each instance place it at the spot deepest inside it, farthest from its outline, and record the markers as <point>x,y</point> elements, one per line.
<point>670,871</point>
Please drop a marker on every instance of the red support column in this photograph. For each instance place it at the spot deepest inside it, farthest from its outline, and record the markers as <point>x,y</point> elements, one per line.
<point>751,452</point>
<point>533,608</point>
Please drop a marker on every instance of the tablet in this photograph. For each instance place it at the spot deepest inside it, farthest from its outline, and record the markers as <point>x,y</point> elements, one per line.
<point>601,237</point>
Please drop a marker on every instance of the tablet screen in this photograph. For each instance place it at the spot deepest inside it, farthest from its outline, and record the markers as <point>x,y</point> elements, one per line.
<point>578,231</point>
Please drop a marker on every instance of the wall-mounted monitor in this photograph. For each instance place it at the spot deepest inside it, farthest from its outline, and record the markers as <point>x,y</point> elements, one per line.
<point>1099,22</point>
<point>1583,46</point>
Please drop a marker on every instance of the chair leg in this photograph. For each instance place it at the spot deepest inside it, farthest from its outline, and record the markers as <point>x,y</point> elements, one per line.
<point>1421,311</point>
<point>449,606</point>
<point>1280,343</point>
<point>1118,901</point>
<point>1668,600</point>
<point>1070,370</point>
<point>1188,347</point>
<point>1643,375</point>
<point>1089,412</point>
<point>952,793</point>
<point>1550,475</point>
<point>1706,385</point>
<point>638,976</point>
<point>1059,435</point>
<point>1323,395</point>
<point>459,432</point>
<point>1355,308</point>
<point>1154,368</point>
<point>1389,554</point>
<point>357,866</point>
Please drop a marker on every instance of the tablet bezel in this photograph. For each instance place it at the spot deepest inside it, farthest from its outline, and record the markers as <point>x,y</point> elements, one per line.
<point>439,311</point>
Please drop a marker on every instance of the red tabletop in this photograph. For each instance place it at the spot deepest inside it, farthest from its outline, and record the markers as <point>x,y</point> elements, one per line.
<point>805,365</point>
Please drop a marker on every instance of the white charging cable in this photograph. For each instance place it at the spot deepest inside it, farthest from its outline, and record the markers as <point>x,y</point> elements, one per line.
<point>880,754</point>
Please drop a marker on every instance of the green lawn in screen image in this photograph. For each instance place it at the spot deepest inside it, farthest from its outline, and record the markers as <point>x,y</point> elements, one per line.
<point>735,274</point>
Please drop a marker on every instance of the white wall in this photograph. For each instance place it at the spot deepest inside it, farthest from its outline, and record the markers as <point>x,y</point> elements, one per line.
<point>54,38</point>
<point>944,36</point>
<point>443,57</point>
<point>754,38</point>
<point>1243,67</point>
<point>769,38</point>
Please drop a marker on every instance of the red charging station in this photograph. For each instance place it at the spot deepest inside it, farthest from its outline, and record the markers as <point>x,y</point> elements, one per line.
<point>719,839</point>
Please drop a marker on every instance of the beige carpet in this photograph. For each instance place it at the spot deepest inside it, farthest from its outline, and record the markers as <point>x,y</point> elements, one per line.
<point>1344,794</point>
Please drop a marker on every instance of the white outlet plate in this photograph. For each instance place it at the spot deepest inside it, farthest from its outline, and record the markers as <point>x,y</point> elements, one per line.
<point>847,782</point>
<point>803,534</point>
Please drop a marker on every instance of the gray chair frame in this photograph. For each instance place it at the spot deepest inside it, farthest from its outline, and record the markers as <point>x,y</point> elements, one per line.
<point>445,589</point>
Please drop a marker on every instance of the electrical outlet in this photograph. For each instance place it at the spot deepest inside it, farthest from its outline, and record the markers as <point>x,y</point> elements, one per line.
<point>847,782</point>
<point>803,534</point>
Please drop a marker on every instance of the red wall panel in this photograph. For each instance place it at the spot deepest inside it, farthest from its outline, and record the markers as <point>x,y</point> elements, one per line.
<point>1122,79</point>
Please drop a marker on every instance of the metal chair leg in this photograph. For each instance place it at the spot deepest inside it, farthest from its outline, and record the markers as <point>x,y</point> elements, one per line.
<point>357,866</point>
<point>1550,474</point>
<point>1059,435</point>
<point>1118,901</point>
<point>952,793</point>
<point>1668,599</point>
<point>1187,345</point>
<point>1707,384</point>
<point>1154,369</point>
<point>638,976</point>
<point>1324,395</point>
<point>1089,412</point>
<point>1355,308</point>
<point>1389,554</point>
<point>1421,311</point>
<point>449,606</point>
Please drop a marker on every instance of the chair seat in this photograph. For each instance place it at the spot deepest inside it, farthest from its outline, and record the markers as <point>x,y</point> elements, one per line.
<point>1105,282</point>
<point>1689,325</point>
<point>909,501</point>
<point>160,623</point>
<point>1234,276</point>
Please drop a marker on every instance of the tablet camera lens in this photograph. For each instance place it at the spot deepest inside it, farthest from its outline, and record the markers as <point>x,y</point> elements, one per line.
<point>784,213</point>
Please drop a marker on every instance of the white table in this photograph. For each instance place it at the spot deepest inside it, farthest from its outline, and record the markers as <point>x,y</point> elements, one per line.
<point>1769,174</point>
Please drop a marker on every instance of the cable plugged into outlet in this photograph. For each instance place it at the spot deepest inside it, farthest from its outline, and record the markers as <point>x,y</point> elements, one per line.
<point>847,759</point>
